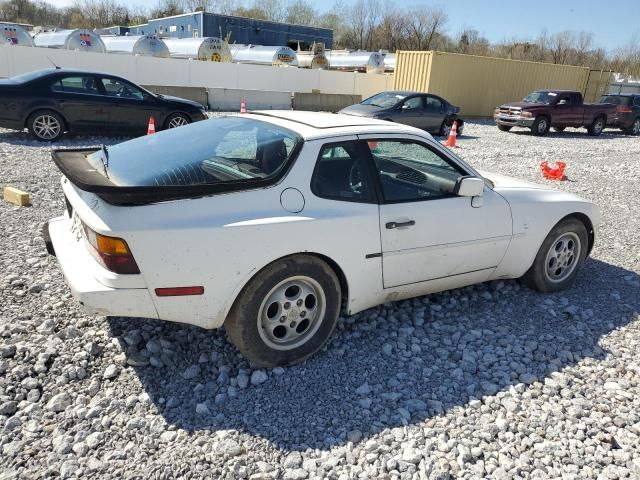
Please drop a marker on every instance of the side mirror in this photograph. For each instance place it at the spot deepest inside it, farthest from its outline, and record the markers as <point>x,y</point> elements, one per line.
<point>469,187</point>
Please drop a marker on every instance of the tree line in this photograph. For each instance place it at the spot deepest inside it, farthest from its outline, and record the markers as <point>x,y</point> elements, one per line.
<point>363,24</point>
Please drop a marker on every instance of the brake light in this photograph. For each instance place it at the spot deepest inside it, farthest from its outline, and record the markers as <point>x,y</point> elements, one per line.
<point>111,252</point>
<point>623,109</point>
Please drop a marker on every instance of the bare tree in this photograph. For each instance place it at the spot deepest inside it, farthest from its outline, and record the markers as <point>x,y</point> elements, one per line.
<point>301,12</point>
<point>561,45</point>
<point>424,25</point>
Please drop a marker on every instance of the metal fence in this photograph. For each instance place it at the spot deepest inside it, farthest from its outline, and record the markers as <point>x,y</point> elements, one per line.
<point>478,84</point>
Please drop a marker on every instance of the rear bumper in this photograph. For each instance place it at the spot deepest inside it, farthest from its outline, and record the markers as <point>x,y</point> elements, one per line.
<point>76,264</point>
<point>513,121</point>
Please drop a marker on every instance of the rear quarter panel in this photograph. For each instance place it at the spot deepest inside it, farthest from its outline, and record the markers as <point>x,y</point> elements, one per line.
<point>221,242</point>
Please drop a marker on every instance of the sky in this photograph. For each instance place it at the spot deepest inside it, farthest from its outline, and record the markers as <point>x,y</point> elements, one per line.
<point>613,26</point>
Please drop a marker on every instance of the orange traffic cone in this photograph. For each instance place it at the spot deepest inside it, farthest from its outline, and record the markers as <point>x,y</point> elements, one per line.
<point>555,172</point>
<point>152,126</point>
<point>453,134</point>
<point>243,106</point>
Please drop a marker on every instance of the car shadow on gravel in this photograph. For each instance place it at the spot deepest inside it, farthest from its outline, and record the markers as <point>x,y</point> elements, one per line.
<point>389,366</point>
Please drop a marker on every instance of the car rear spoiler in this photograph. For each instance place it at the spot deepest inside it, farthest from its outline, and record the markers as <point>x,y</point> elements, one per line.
<point>73,164</point>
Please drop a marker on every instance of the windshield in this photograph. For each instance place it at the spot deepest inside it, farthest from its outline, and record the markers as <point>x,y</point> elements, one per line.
<point>384,99</point>
<point>616,99</point>
<point>223,149</point>
<point>544,98</point>
<point>27,77</point>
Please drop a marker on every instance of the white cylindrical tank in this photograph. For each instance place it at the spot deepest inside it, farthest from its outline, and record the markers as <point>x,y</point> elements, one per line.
<point>390,62</point>
<point>205,48</point>
<point>84,40</point>
<point>262,55</point>
<point>145,45</point>
<point>309,60</point>
<point>15,35</point>
<point>359,61</point>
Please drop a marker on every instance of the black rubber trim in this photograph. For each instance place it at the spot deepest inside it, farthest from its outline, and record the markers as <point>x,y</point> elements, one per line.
<point>373,255</point>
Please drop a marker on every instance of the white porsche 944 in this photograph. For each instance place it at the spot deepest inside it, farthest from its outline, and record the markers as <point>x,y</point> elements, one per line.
<point>272,223</point>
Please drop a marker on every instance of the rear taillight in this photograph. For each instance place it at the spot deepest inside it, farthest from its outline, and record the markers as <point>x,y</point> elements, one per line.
<point>623,109</point>
<point>111,252</point>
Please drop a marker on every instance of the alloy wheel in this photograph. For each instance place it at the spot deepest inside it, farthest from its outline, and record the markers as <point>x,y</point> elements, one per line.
<point>562,258</point>
<point>46,127</point>
<point>177,121</point>
<point>542,126</point>
<point>291,313</point>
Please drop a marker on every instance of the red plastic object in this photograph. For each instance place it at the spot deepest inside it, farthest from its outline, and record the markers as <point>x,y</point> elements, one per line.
<point>555,172</point>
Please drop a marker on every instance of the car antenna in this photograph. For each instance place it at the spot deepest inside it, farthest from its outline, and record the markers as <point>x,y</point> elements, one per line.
<point>56,66</point>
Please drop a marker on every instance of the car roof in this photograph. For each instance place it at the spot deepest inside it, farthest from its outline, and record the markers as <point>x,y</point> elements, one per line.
<point>620,94</point>
<point>325,124</point>
<point>75,71</point>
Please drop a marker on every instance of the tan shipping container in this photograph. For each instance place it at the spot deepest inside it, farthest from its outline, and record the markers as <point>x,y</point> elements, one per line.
<point>478,84</point>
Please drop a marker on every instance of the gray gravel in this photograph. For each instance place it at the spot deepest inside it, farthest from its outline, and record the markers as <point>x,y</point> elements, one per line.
<point>493,381</point>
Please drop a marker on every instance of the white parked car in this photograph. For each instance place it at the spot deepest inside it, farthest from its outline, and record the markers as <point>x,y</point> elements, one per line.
<point>271,224</point>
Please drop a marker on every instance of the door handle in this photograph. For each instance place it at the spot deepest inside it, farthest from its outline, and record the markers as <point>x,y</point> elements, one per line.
<point>408,223</point>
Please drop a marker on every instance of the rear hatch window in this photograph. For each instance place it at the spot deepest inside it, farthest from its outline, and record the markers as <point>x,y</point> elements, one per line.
<point>616,99</point>
<point>220,150</point>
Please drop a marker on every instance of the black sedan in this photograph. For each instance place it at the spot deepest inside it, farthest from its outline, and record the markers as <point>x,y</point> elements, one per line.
<point>422,110</point>
<point>50,102</point>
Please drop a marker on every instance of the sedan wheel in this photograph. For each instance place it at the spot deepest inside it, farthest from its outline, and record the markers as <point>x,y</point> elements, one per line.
<point>635,127</point>
<point>286,312</point>
<point>559,258</point>
<point>596,127</point>
<point>46,126</point>
<point>177,120</point>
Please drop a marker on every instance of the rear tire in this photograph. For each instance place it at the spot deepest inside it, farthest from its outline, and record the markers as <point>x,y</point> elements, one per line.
<point>286,312</point>
<point>504,128</point>
<point>540,126</point>
<point>560,257</point>
<point>596,127</point>
<point>46,125</point>
<point>634,129</point>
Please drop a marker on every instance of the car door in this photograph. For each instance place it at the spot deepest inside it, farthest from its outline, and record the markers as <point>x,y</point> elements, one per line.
<point>81,102</point>
<point>131,107</point>
<point>433,114</point>
<point>410,112</point>
<point>428,232</point>
<point>564,113</point>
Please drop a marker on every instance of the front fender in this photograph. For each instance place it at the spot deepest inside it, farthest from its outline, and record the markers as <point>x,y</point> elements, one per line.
<point>535,212</point>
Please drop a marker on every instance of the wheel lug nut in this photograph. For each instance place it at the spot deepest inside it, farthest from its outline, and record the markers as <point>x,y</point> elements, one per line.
<point>299,302</point>
<point>287,305</point>
<point>303,314</point>
<point>283,319</point>
<point>292,324</point>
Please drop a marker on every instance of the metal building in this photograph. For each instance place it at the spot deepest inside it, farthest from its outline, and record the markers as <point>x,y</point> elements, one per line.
<point>240,30</point>
<point>145,45</point>
<point>12,34</point>
<point>83,40</point>
<point>207,48</point>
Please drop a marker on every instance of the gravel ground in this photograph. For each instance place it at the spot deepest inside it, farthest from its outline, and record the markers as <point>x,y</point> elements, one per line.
<point>492,381</point>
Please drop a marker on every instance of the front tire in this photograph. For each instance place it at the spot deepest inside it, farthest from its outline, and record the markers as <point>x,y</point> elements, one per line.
<point>596,127</point>
<point>286,313</point>
<point>46,125</point>
<point>176,120</point>
<point>504,128</point>
<point>540,126</point>
<point>559,258</point>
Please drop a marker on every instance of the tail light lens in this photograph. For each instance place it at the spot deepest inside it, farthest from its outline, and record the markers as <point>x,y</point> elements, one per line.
<point>623,109</point>
<point>111,252</point>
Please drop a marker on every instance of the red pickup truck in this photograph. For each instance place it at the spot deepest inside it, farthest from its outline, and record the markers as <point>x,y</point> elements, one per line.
<point>553,108</point>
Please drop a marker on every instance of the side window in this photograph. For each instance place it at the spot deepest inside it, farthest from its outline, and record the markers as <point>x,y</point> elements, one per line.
<point>117,88</point>
<point>566,98</point>
<point>410,171</point>
<point>636,102</point>
<point>433,105</point>
<point>86,85</point>
<point>414,103</point>
<point>341,173</point>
